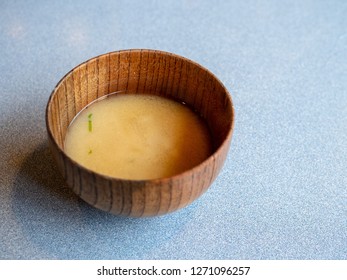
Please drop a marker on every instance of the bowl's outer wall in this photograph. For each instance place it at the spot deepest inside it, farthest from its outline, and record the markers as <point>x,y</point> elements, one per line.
<point>142,72</point>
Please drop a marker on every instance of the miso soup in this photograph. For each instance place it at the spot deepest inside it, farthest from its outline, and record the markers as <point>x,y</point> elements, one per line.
<point>138,136</point>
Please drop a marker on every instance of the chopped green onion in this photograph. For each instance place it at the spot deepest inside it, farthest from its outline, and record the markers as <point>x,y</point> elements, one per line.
<point>90,124</point>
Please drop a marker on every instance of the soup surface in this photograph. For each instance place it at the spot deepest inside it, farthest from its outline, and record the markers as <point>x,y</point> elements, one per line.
<point>137,136</point>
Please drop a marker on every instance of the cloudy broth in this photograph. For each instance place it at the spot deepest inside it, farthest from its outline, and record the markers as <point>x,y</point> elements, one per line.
<point>138,136</point>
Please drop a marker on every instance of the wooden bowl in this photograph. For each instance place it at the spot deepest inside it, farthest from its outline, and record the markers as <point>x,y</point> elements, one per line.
<point>140,71</point>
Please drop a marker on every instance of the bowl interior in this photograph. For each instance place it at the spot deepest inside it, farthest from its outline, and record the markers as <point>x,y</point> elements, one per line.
<point>142,72</point>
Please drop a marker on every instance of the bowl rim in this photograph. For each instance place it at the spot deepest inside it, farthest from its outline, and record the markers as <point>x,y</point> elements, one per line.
<point>177,176</point>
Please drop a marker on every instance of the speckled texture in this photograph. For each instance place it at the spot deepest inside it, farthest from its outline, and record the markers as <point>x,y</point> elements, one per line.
<point>282,193</point>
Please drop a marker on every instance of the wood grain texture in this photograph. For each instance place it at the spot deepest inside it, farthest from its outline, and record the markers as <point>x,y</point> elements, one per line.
<point>142,72</point>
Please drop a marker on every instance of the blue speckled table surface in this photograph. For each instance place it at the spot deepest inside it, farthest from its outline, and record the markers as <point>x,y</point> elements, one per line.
<point>282,193</point>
